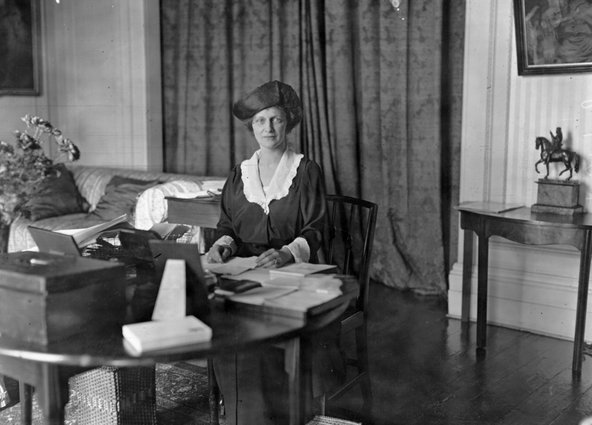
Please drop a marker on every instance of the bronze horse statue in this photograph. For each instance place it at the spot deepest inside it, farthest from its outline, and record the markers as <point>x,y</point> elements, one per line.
<point>553,152</point>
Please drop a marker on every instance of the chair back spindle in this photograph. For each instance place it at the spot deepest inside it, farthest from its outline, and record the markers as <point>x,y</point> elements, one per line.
<point>349,239</point>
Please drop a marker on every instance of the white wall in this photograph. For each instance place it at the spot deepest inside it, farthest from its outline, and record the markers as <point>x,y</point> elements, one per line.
<point>532,288</point>
<point>100,81</point>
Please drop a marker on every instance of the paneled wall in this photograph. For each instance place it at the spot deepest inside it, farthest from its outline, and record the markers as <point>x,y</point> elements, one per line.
<point>100,81</point>
<point>531,288</point>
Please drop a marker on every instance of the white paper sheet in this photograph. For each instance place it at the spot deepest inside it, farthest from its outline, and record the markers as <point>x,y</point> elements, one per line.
<point>261,295</point>
<point>233,266</point>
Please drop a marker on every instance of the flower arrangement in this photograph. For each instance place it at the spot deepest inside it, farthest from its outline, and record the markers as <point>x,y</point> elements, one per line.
<point>24,165</point>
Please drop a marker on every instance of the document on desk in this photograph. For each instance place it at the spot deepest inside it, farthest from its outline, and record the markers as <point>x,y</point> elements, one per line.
<point>302,300</point>
<point>233,266</point>
<point>491,207</point>
<point>261,295</point>
<point>262,276</point>
<point>291,301</point>
<point>258,274</point>
<point>315,282</point>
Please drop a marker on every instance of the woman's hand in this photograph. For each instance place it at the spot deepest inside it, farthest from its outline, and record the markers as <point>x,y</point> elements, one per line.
<point>274,258</point>
<point>218,253</point>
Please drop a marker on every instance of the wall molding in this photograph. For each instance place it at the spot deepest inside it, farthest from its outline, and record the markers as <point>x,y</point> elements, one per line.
<point>530,293</point>
<point>502,114</point>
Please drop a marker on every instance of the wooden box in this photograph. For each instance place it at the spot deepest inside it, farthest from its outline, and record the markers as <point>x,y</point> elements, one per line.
<point>46,297</point>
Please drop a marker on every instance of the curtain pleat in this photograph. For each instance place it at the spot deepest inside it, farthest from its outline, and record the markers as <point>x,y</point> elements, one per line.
<point>380,107</point>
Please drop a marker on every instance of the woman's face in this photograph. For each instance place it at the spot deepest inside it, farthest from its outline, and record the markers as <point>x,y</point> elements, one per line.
<point>269,128</point>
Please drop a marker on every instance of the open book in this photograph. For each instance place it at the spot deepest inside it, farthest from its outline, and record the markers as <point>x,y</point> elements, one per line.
<point>87,235</point>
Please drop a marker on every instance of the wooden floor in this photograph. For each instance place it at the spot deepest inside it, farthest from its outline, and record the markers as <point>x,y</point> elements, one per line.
<point>424,370</point>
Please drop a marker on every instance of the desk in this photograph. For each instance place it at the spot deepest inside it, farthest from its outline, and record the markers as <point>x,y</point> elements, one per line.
<point>525,227</point>
<point>48,368</point>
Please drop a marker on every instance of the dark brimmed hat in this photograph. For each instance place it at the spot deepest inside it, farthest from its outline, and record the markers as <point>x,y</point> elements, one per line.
<point>272,93</point>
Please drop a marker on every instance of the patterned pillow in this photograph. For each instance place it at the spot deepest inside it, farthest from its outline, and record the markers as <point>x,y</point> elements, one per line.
<point>57,195</point>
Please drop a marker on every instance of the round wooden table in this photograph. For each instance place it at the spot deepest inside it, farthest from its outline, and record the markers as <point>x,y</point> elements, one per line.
<point>48,368</point>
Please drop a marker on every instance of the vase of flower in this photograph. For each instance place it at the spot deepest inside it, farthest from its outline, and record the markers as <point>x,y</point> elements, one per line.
<point>24,165</point>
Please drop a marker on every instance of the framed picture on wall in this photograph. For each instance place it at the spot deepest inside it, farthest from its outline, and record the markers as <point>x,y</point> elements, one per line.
<point>553,36</point>
<point>19,47</point>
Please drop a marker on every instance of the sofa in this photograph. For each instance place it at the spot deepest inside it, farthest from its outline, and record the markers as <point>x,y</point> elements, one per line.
<point>82,196</point>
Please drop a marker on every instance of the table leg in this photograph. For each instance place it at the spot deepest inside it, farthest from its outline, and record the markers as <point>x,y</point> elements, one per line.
<point>214,394</point>
<point>583,282</point>
<point>466,275</point>
<point>483,265</point>
<point>26,398</point>
<point>52,394</point>
<point>292,366</point>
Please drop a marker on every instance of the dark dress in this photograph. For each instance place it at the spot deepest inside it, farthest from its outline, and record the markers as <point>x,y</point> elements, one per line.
<point>300,213</point>
<point>254,384</point>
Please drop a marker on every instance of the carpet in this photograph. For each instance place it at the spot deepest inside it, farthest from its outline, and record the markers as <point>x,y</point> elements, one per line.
<point>181,398</point>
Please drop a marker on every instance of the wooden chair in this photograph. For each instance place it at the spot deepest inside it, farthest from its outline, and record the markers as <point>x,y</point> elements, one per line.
<point>349,240</point>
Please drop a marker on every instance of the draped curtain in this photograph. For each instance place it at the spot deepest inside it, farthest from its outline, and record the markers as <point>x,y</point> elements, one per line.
<point>381,89</point>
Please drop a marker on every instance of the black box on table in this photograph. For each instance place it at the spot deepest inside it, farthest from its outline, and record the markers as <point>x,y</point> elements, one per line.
<point>46,297</point>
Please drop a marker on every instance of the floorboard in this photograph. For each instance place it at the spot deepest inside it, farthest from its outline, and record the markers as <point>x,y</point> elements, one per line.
<point>424,370</point>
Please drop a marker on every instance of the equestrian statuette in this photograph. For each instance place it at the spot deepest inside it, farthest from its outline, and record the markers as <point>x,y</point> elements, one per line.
<point>557,196</point>
<point>553,151</point>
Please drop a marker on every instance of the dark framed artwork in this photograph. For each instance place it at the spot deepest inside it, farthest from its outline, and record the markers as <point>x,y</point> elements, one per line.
<point>553,36</point>
<point>19,47</point>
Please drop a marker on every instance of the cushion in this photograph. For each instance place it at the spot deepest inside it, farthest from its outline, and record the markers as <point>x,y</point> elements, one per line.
<point>92,180</point>
<point>120,197</point>
<point>57,195</point>
<point>151,207</point>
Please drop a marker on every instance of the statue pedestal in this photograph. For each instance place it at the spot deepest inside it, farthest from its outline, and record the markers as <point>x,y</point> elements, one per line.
<point>558,197</point>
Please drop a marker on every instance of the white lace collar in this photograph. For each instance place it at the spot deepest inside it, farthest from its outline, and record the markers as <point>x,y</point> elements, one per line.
<point>280,182</point>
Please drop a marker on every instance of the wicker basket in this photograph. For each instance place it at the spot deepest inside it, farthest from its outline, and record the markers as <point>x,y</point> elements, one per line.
<point>114,396</point>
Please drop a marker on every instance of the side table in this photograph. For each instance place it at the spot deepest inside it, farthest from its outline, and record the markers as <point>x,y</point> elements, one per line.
<point>523,226</point>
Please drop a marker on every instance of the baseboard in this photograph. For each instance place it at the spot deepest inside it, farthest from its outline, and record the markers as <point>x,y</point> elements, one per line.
<point>530,288</point>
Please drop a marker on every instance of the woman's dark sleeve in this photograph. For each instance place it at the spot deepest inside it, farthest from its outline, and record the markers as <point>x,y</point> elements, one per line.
<point>313,207</point>
<point>224,227</point>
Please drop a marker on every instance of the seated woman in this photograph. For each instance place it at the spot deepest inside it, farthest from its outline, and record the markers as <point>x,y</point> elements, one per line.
<point>273,207</point>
